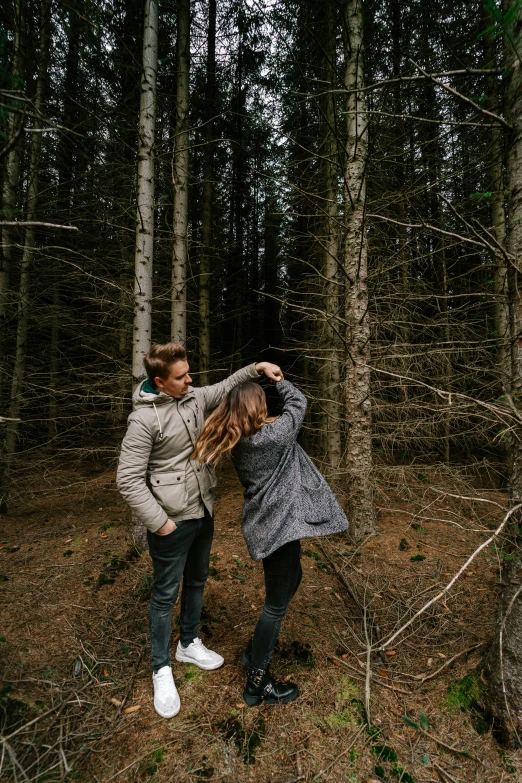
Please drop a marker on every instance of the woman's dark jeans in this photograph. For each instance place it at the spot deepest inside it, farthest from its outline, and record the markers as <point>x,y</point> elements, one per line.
<point>183,553</point>
<point>283,575</point>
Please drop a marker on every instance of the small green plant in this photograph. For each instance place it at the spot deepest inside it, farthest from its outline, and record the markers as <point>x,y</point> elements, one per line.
<point>68,552</point>
<point>384,752</point>
<point>417,558</point>
<point>158,755</point>
<point>462,695</point>
<point>340,720</point>
<point>508,763</point>
<point>402,775</point>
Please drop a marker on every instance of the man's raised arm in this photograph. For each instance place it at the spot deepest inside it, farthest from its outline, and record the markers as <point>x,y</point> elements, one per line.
<point>214,394</point>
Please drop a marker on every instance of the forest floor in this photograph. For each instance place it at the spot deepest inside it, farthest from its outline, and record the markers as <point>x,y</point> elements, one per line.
<point>76,693</point>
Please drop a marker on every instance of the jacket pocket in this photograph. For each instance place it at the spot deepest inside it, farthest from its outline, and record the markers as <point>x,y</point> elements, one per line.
<point>315,505</point>
<point>170,490</point>
<point>212,478</point>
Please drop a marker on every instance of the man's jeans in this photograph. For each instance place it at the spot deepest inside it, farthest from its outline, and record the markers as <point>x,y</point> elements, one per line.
<point>183,553</point>
<point>283,575</point>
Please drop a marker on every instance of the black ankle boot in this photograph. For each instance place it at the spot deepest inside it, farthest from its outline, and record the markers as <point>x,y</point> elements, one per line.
<point>261,687</point>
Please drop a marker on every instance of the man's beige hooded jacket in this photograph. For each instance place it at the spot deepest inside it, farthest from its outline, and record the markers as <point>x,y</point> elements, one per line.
<point>155,472</point>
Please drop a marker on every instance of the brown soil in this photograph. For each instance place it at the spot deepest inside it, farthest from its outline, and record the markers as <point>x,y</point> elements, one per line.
<point>74,653</point>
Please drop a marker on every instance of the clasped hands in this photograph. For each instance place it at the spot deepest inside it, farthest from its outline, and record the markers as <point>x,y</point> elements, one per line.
<point>272,371</point>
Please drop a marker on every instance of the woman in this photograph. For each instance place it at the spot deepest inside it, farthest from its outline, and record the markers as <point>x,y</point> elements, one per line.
<point>286,499</point>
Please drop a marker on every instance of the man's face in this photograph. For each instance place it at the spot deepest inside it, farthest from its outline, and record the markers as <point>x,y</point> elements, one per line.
<point>177,384</point>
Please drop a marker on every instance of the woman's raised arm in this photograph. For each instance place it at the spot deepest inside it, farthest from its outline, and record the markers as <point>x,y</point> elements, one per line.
<point>286,427</point>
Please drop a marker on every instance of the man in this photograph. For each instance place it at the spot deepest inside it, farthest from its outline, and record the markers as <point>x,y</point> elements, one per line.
<point>173,496</point>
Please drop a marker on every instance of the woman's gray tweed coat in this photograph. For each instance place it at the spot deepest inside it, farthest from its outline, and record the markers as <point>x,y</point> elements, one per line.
<point>286,497</point>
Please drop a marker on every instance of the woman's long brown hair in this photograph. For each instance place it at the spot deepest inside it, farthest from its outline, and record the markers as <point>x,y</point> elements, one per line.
<point>242,412</point>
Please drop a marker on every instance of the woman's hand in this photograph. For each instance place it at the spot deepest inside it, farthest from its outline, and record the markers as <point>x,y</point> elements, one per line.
<point>168,527</point>
<point>272,371</point>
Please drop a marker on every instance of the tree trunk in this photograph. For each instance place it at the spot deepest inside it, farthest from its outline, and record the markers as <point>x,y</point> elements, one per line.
<point>207,199</point>
<point>357,387</point>
<point>331,375</point>
<point>143,259</point>
<point>503,666</point>
<point>54,364</point>
<point>495,186</point>
<point>10,188</point>
<point>17,383</point>
<point>180,171</point>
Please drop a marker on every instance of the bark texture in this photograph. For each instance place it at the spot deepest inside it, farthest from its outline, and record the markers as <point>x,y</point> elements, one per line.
<point>145,192</point>
<point>330,391</point>
<point>180,173</point>
<point>205,264</point>
<point>503,666</point>
<point>357,387</point>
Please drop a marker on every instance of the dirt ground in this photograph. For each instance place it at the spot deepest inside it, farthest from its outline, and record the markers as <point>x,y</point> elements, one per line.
<point>76,695</point>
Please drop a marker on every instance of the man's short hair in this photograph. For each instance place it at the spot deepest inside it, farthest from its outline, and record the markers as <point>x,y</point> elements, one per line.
<point>158,360</point>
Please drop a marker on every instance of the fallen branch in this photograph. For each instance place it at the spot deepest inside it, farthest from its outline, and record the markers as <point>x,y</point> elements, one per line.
<point>450,584</point>
<point>60,706</point>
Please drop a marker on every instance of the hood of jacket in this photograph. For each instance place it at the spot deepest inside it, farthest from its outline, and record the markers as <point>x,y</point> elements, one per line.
<point>143,397</point>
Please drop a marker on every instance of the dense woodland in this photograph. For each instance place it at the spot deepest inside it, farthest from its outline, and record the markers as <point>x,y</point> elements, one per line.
<point>333,186</point>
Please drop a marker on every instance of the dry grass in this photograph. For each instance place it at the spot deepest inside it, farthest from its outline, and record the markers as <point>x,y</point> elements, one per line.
<point>74,659</point>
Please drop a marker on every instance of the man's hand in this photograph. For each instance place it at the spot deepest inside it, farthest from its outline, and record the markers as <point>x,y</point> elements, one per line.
<point>272,371</point>
<point>168,527</point>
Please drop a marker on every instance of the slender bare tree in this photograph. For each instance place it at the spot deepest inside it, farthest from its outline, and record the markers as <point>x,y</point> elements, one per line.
<point>180,172</point>
<point>207,202</point>
<point>145,192</point>
<point>10,188</point>
<point>17,381</point>
<point>357,387</point>
<point>330,391</point>
<point>503,662</point>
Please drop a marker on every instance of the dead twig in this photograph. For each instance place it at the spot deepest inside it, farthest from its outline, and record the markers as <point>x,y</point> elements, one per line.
<point>445,775</point>
<point>447,663</point>
<point>130,684</point>
<point>464,753</point>
<point>36,223</point>
<point>368,671</point>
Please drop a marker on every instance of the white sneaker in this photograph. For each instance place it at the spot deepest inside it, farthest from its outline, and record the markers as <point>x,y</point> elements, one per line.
<point>166,697</point>
<point>197,653</point>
